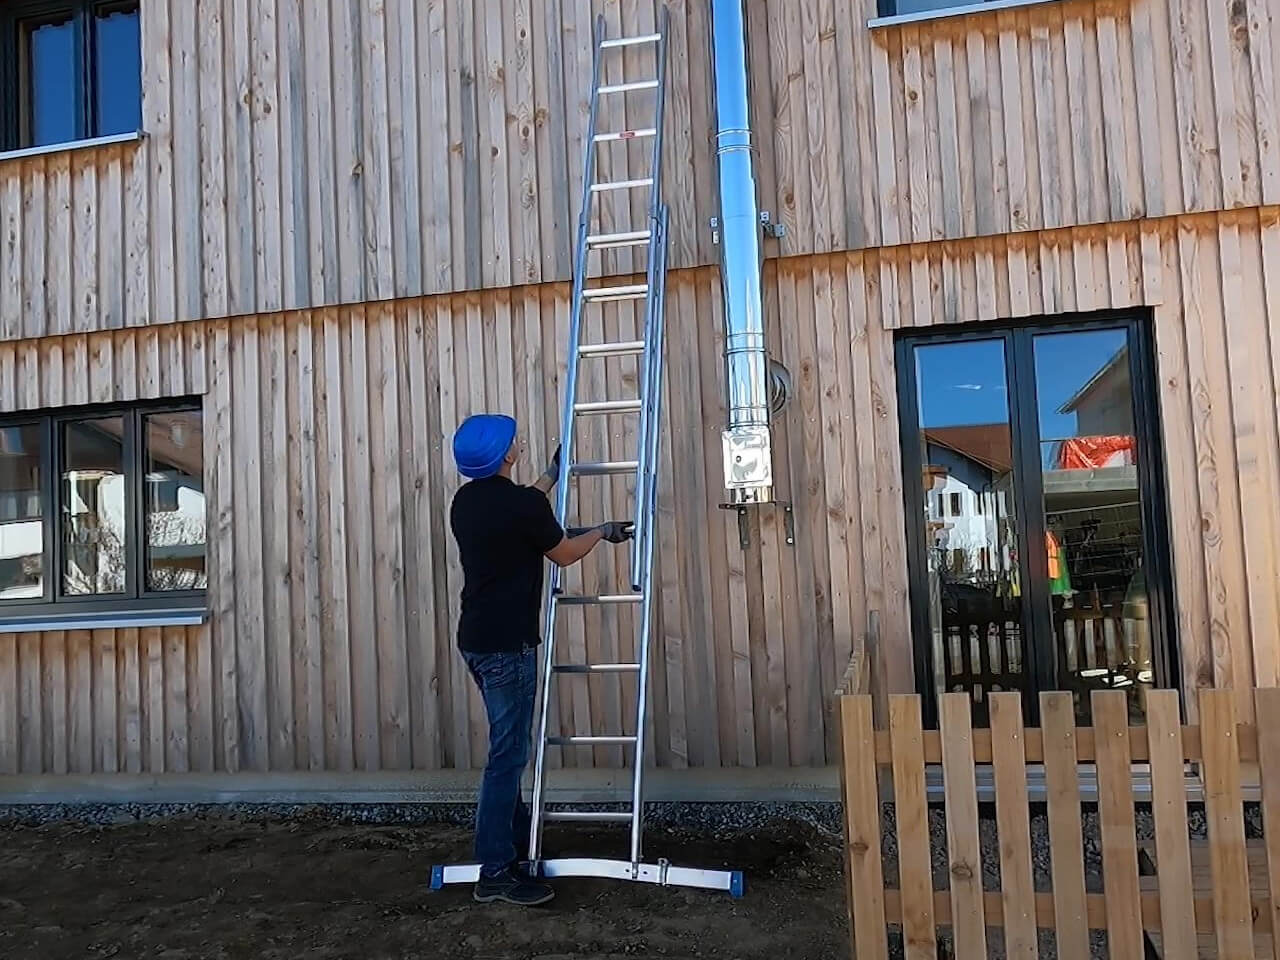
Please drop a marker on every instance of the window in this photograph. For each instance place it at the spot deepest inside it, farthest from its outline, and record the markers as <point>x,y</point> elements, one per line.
<point>922,9</point>
<point>102,510</point>
<point>956,509</point>
<point>71,70</point>
<point>1060,580</point>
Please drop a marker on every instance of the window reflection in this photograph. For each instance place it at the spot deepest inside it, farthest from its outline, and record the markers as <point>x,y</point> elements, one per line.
<point>975,594</point>
<point>118,63</point>
<point>49,81</point>
<point>93,507</point>
<point>175,509</point>
<point>21,513</point>
<point>1093,515</point>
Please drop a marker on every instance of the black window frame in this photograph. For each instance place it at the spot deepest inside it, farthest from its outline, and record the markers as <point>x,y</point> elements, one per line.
<point>14,107</point>
<point>136,598</point>
<point>1018,337</point>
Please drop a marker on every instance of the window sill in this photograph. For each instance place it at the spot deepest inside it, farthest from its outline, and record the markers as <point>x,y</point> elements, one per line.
<point>103,620</point>
<point>959,10</point>
<point>71,145</point>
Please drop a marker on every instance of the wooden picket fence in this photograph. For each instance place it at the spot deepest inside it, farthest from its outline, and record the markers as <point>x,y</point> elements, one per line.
<point>1172,897</point>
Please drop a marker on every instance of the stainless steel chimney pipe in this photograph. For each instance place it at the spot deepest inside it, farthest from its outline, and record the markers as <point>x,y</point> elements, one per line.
<point>748,454</point>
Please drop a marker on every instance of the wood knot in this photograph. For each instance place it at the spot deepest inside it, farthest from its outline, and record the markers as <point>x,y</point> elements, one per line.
<point>858,847</point>
<point>961,870</point>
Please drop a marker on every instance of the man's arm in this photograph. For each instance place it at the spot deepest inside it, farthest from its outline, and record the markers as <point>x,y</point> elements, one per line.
<point>573,548</point>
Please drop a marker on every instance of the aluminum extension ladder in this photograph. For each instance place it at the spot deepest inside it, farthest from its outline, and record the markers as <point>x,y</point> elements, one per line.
<point>644,468</point>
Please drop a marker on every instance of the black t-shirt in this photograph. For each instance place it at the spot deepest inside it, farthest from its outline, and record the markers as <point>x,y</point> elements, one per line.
<point>503,533</point>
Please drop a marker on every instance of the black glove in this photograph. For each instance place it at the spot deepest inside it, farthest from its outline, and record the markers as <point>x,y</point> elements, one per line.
<point>617,531</point>
<point>552,472</point>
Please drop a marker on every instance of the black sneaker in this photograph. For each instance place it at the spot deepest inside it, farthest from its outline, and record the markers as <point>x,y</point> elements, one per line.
<point>510,887</point>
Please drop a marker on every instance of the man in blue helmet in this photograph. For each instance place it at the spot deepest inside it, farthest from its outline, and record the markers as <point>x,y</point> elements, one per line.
<point>503,532</point>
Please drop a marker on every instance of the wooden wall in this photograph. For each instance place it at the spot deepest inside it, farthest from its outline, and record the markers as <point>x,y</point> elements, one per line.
<point>333,580</point>
<point>307,154</point>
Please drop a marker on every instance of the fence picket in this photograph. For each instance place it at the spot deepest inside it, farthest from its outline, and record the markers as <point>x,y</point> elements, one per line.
<point>1066,842</point>
<point>915,870</point>
<point>1232,914</point>
<point>964,850</point>
<point>862,829</point>
<point>1267,706</point>
<point>1013,827</point>
<point>1169,805</point>
<point>1119,832</point>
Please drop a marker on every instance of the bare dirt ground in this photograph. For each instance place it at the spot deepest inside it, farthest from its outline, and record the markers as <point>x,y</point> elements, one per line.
<point>227,888</point>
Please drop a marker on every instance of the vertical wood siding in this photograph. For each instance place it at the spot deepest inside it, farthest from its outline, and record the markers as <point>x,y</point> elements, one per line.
<point>334,582</point>
<point>308,154</point>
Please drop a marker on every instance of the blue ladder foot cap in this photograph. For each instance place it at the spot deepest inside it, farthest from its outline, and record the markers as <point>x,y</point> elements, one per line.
<point>737,885</point>
<point>437,877</point>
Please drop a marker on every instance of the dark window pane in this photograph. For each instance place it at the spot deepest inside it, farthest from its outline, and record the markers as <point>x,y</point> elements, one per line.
<point>49,79</point>
<point>175,511</point>
<point>1093,515</point>
<point>93,507</point>
<point>118,69</point>
<point>975,606</point>
<point>21,513</point>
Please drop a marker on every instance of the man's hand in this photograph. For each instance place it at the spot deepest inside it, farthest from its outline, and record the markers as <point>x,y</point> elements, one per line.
<point>617,531</point>
<point>550,475</point>
<point>552,472</point>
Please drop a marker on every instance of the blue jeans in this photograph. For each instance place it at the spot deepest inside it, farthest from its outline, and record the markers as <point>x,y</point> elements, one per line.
<point>508,683</point>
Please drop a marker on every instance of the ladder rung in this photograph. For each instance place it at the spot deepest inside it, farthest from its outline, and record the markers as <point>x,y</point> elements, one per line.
<point>633,85</point>
<point>625,348</point>
<point>625,135</point>
<point>630,238</point>
<point>587,816</point>
<point>593,739</point>
<point>622,184</point>
<point>595,667</point>
<point>631,41</point>
<point>580,600</point>
<point>605,468</point>
<point>607,406</point>
<point>636,291</point>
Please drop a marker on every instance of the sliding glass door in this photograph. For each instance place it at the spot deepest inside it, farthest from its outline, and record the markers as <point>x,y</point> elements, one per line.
<point>1038,554</point>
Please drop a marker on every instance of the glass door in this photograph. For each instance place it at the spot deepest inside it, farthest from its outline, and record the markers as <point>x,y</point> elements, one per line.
<point>1037,551</point>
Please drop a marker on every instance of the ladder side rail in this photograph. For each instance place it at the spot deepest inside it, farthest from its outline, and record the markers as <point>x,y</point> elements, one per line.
<point>649,495</point>
<point>657,251</point>
<point>566,448</point>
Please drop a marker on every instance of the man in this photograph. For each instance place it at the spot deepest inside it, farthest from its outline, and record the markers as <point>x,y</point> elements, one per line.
<point>503,533</point>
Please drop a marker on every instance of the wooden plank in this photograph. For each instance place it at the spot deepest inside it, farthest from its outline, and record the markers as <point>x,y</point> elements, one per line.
<point>1066,843</point>
<point>1169,807</point>
<point>80,700</point>
<point>177,731</point>
<point>30,705</point>
<point>157,108</point>
<point>322,228</point>
<point>35,231</point>
<point>185,162</point>
<point>1116,818</point>
<point>105,744</point>
<point>295,163</point>
<point>1224,811</point>
<point>964,852</point>
<point>1096,915</point>
<point>1267,707</point>
<point>108,249</point>
<point>53,683</point>
<point>130,687</point>
<point>862,829</point>
<point>1264,58</point>
<point>388,557</point>
<point>9,709</point>
<point>915,870</point>
<point>273,494</point>
<point>212,154</point>
<point>1013,826</point>
<point>154,699</point>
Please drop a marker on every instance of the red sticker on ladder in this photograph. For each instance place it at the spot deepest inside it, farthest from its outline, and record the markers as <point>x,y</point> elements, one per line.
<point>627,135</point>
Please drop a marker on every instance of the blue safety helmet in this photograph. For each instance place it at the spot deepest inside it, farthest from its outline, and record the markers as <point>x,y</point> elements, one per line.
<point>481,444</point>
